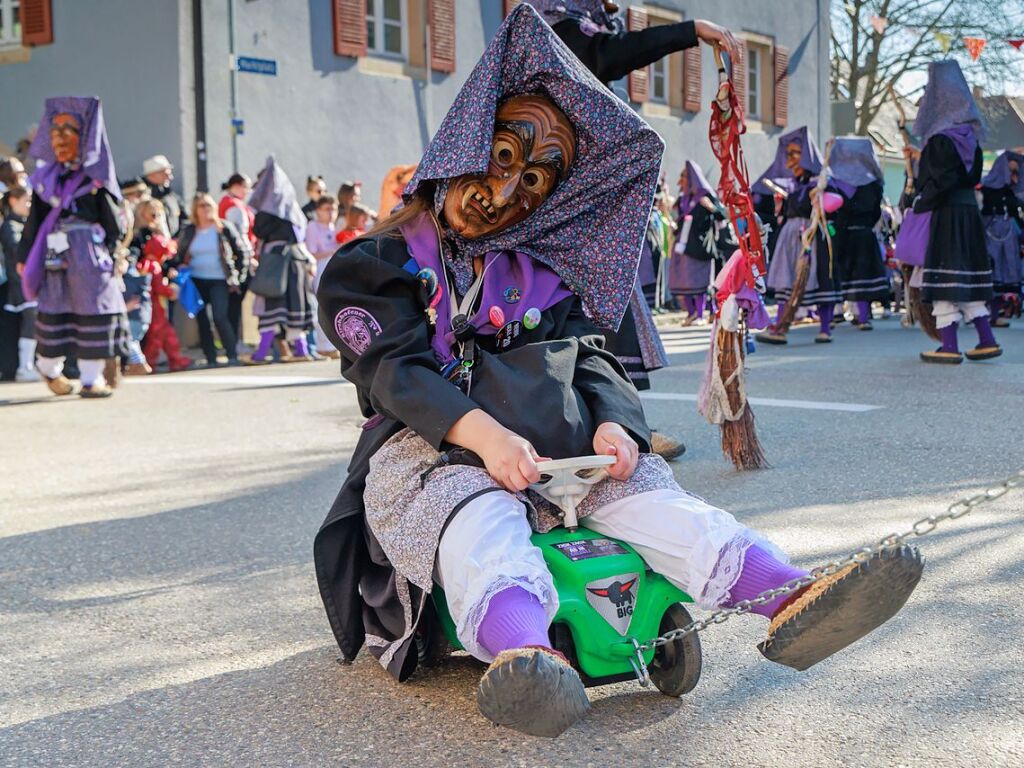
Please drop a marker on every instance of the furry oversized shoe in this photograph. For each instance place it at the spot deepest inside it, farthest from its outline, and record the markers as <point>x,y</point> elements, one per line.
<point>842,608</point>
<point>533,690</point>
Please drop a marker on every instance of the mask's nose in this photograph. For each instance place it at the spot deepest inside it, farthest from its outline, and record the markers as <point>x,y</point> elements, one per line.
<point>506,190</point>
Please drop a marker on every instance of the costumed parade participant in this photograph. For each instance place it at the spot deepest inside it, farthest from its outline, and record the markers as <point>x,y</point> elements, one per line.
<point>284,278</point>
<point>66,248</point>
<point>1002,195</point>
<point>483,294</point>
<point>698,214</point>
<point>592,32</point>
<point>856,175</point>
<point>957,273</point>
<point>801,271</point>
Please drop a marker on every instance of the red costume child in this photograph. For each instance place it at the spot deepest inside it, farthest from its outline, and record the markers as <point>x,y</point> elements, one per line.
<point>161,334</point>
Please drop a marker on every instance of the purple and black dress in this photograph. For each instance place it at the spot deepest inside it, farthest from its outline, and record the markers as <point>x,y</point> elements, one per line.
<point>1002,196</point>
<point>69,239</point>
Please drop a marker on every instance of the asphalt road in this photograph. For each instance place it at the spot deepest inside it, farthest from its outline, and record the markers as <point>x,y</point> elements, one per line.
<point>158,605</point>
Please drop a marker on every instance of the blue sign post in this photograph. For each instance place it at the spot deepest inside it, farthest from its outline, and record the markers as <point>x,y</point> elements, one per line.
<point>256,66</point>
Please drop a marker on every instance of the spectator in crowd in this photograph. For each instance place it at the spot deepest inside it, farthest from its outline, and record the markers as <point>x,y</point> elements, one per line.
<point>12,174</point>
<point>19,314</point>
<point>349,192</point>
<point>357,220</point>
<point>320,242</point>
<point>150,219</point>
<point>161,336</point>
<point>212,249</point>
<point>316,188</point>
<point>134,191</point>
<point>138,300</point>
<point>232,207</point>
<point>159,173</point>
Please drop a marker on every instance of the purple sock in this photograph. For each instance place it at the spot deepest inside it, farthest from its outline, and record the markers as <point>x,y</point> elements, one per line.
<point>514,619</point>
<point>995,307</point>
<point>985,336</point>
<point>266,341</point>
<point>699,304</point>
<point>691,305</point>
<point>825,316</point>
<point>760,573</point>
<point>864,312</point>
<point>949,343</point>
<point>301,348</point>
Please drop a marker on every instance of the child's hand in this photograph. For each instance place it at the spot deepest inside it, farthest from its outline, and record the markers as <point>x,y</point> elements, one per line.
<point>133,303</point>
<point>175,291</point>
<point>610,439</point>
<point>511,460</point>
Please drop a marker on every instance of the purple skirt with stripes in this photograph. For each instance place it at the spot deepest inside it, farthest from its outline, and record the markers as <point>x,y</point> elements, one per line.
<point>81,308</point>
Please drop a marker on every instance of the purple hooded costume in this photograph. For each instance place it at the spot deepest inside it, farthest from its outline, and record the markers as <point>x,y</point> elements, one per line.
<point>1001,201</point>
<point>956,264</point>
<point>822,286</point>
<point>68,240</point>
<point>689,271</point>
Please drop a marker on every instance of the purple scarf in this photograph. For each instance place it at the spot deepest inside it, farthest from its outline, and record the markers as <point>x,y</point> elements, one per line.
<point>35,262</point>
<point>965,141</point>
<point>810,161</point>
<point>999,175</point>
<point>590,14</point>
<point>535,286</point>
<point>274,193</point>
<point>697,187</point>
<point>947,103</point>
<point>852,163</point>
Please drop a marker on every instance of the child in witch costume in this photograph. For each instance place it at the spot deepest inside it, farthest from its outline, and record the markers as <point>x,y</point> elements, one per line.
<point>855,174</point>
<point>690,269</point>
<point>795,169</point>
<point>957,273</point>
<point>468,323</point>
<point>66,248</point>
<point>280,226</point>
<point>1002,195</point>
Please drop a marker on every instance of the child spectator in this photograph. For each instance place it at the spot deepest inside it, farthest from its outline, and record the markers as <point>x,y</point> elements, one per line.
<point>17,203</point>
<point>138,300</point>
<point>356,221</point>
<point>161,335</point>
<point>320,241</point>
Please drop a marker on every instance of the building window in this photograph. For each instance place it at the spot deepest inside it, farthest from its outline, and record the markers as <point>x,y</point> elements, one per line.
<point>755,65</point>
<point>385,27</point>
<point>10,23</point>
<point>659,81</point>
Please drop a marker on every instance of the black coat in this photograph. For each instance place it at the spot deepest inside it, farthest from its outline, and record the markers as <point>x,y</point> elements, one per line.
<point>862,270</point>
<point>957,266</point>
<point>398,384</point>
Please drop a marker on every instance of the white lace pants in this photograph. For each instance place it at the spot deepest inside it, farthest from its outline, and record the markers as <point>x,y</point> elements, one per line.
<point>486,548</point>
<point>947,312</point>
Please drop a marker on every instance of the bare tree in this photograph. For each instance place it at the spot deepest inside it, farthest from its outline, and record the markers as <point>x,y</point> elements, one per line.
<point>868,61</point>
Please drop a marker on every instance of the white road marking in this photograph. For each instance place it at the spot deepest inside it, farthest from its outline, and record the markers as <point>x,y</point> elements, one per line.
<point>809,405</point>
<point>256,381</point>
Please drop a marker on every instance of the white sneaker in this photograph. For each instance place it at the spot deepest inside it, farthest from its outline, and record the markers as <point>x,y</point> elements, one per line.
<point>27,374</point>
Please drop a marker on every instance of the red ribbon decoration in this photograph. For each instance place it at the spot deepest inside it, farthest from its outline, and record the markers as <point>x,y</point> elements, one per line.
<point>727,125</point>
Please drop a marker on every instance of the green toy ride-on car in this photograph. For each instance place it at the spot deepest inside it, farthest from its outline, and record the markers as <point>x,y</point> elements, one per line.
<point>609,600</point>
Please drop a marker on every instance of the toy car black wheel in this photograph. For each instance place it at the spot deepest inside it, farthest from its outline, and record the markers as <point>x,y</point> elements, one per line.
<point>676,666</point>
<point>432,645</point>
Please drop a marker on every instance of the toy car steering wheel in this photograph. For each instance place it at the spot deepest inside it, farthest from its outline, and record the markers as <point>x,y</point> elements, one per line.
<point>565,488</point>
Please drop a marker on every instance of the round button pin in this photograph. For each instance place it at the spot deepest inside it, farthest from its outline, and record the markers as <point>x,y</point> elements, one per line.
<point>513,295</point>
<point>532,318</point>
<point>496,316</point>
<point>428,277</point>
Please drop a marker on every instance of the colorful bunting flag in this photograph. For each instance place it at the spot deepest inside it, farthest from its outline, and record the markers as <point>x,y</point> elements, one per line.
<point>943,40</point>
<point>974,46</point>
<point>1016,43</point>
<point>879,24</point>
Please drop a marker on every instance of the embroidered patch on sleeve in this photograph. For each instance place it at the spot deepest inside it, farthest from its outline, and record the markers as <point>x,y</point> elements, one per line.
<point>357,328</point>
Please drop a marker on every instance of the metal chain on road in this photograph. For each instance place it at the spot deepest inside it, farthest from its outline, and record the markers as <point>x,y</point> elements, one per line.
<point>922,527</point>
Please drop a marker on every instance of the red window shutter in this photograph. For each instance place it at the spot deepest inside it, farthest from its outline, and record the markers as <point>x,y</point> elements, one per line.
<point>36,22</point>
<point>739,76</point>
<point>442,35</point>
<point>349,18</point>
<point>639,87</point>
<point>692,63</point>
<point>510,4</point>
<point>781,85</point>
